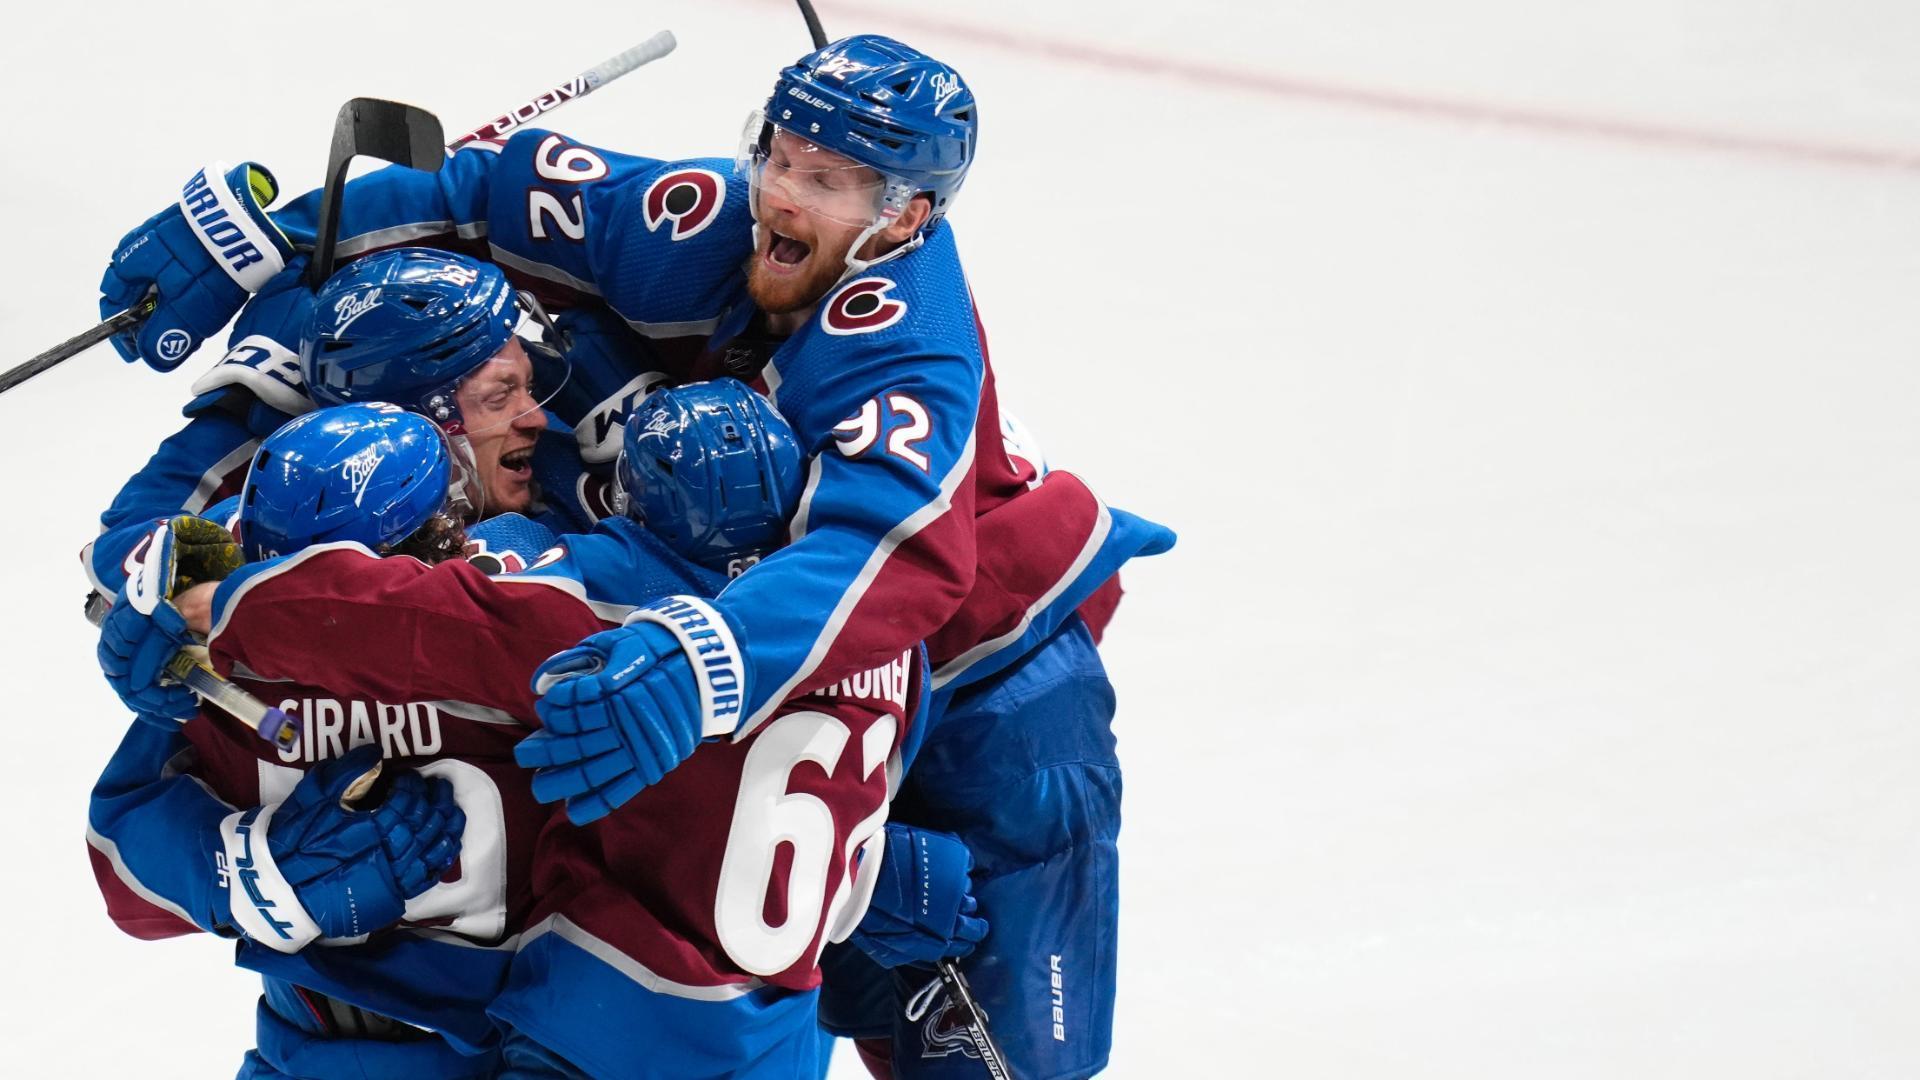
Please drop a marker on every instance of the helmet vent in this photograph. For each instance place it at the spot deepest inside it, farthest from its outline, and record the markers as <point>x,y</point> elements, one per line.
<point>665,465</point>
<point>320,501</point>
<point>335,345</point>
<point>963,115</point>
<point>901,86</point>
<point>417,303</point>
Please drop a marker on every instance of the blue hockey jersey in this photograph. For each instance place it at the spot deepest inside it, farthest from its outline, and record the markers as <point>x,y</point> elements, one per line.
<point>887,387</point>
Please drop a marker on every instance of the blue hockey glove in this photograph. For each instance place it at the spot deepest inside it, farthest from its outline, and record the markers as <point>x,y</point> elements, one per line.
<point>622,708</point>
<point>922,907</point>
<point>320,866</point>
<point>201,257</point>
<point>143,630</point>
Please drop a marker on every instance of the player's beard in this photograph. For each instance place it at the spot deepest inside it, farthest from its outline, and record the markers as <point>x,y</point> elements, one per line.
<point>778,294</point>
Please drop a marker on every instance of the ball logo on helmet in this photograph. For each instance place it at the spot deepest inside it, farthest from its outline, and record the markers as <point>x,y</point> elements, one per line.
<point>351,307</point>
<point>358,470</point>
<point>690,198</point>
<point>862,308</point>
<point>945,85</point>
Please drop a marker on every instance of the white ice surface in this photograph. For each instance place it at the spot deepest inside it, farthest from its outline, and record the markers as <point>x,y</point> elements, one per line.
<point>1532,693</point>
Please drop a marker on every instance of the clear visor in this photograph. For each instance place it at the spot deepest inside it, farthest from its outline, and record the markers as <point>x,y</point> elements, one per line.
<point>510,386</point>
<point>492,415</point>
<point>783,168</point>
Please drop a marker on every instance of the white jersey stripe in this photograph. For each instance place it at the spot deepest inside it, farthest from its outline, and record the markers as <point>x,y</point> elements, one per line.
<point>901,533</point>
<point>211,479</point>
<point>112,851</point>
<point>634,969</point>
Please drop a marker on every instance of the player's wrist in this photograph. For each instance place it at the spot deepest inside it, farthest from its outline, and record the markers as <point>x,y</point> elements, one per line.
<point>715,680</point>
<point>261,902</point>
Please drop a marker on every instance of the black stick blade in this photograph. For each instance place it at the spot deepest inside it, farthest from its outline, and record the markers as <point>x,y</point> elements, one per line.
<point>403,134</point>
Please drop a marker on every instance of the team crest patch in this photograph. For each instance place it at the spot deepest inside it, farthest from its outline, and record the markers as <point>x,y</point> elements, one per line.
<point>690,198</point>
<point>863,307</point>
<point>943,1033</point>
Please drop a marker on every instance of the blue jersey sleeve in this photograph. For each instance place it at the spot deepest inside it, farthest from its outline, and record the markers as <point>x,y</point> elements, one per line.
<point>201,462</point>
<point>155,832</point>
<point>583,222</point>
<point>886,392</point>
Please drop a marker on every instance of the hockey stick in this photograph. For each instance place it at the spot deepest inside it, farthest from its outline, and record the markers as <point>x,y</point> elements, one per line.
<point>585,83</point>
<point>818,32</point>
<point>975,1019</point>
<point>190,666</point>
<point>369,127</point>
<point>579,86</point>
<point>75,345</point>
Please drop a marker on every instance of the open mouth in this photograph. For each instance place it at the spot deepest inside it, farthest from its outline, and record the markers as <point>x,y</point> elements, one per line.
<point>785,250</point>
<point>518,462</point>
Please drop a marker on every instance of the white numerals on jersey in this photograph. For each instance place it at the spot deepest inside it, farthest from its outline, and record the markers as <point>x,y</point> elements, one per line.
<point>555,160</point>
<point>567,217</point>
<point>867,839</point>
<point>476,901</point>
<point>767,815</point>
<point>910,426</point>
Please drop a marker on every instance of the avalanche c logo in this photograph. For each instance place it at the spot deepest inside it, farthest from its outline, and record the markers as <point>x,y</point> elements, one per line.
<point>690,198</point>
<point>862,308</point>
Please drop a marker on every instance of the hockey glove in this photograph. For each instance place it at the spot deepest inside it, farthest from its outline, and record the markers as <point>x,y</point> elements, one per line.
<point>922,907</point>
<point>199,258</point>
<point>622,708</point>
<point>320,865</point>
<point>143,630</point>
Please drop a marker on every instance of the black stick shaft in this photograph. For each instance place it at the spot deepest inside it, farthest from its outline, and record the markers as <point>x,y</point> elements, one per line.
<point>71,347</point>
<point>975,1019</point>
<point>814,28</point>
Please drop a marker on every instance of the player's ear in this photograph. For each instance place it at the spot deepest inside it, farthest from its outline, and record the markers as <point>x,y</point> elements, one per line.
<point>919,208</point>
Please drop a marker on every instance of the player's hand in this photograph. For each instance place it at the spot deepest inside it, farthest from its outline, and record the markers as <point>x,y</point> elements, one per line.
<point>340,857</point>
<point>923,907</point>
<point>198,259</point>
<point>143,630</point>
<point>617,712</point>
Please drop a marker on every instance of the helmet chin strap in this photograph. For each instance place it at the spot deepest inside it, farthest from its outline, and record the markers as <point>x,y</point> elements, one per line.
<point>857,265</point>
<point>466,498</point>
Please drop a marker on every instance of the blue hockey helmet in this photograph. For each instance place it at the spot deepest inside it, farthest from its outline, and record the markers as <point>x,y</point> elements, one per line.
<point>370,473</point>
<point>885,105</point>
<point>408,326</point>
<point>713,470</point>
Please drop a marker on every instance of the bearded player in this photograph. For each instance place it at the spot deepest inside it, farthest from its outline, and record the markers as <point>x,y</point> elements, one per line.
<point>825,269</point>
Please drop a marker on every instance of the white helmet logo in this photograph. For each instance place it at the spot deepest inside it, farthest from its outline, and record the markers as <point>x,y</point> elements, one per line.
<point>350,308</point>
<point>945,85</point>
<point>358,470</point>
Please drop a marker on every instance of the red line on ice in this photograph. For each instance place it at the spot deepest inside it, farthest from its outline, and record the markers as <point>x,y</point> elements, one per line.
<point>1280,86</point>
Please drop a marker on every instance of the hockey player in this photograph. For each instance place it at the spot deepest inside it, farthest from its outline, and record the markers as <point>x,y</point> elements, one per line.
<point>675,884</point>
<point>176,848</point>
<point>854,315</point>
<point>433,331</point>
